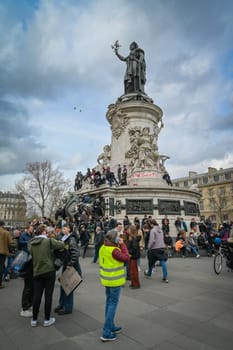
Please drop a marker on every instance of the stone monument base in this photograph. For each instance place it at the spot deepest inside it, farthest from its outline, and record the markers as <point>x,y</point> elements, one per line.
<point>157,201</point>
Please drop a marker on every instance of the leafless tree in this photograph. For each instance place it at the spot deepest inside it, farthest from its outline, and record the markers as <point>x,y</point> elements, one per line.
<point>220,204</point>
<point>43,187</point>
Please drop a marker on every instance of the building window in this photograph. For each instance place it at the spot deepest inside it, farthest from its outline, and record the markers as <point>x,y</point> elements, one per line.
<point>222,191</point>
<point>227,176</point>
<point>213,218</point>
<point>216,178</point>
<point>194,181</point>
<point>212,204</point>
<point>211,192</point>
<point>224,203</point>
<point>205,180</point>
<point>201,205</point>
<point>186,183</point>
<point>178,185</point>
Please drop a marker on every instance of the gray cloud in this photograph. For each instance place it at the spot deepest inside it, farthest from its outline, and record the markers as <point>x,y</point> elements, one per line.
<point>52,50</point>
<point>18,140</point>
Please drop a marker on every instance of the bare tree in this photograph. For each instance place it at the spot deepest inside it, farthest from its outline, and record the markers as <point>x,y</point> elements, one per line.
<point>220,204</point>
<point>43,187</point>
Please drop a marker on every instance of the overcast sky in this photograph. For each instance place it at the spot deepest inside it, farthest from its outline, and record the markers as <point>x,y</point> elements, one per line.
<point>58,74</point>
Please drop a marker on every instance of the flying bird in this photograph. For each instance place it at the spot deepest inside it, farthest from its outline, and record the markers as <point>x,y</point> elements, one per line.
<point>76,108</point>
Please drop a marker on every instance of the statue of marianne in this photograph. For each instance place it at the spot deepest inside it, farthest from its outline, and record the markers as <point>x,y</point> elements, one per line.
<point>135,75</point>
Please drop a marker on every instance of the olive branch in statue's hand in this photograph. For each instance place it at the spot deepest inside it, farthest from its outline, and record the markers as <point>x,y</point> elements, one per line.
<point>115,46</point>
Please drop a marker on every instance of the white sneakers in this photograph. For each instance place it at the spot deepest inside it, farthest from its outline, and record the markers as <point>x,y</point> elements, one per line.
<point>49,322</point>
<point>33,323</point>
<point>46,323</point>
<point>26,313</point>
<point>198,256</point>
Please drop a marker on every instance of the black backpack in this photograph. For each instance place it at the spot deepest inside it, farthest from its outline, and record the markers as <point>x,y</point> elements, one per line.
<point>59,256</point>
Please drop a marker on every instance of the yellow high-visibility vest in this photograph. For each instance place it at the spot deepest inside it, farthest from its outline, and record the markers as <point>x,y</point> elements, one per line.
<point>112,271</point>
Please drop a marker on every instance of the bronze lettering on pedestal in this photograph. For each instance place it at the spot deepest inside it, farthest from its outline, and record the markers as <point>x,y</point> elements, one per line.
<point>169,207</point>
<point>139,206</point>
<point>118,207</point>
<point>111,206</point>
<point>191,208</point>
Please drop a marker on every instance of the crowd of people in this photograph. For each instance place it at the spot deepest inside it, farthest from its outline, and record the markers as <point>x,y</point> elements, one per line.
<point>107,176</point>
<point>118,248</point>
<point>98,178</point>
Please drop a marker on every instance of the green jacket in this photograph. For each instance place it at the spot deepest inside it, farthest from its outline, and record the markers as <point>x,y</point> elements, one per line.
<point>42,257</point>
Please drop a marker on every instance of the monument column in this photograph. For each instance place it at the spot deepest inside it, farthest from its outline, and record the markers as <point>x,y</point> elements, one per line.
<point>135,124</point>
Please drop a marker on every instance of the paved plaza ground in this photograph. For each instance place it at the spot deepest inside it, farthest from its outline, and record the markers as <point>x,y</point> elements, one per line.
<point>194,311</point>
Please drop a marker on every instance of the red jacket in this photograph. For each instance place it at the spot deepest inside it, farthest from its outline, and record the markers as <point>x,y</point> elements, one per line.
<point>121,254</point>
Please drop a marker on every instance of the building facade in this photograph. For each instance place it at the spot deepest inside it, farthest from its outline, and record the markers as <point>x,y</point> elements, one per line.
<point>12,208</point>
<point>216,189</point>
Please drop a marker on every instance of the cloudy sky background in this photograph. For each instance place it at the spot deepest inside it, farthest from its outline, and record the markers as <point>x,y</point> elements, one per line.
<point>58,74</point>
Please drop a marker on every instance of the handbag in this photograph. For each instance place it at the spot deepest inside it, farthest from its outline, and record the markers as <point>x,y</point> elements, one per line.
<point>70,279</point>
<point>59,256</point>
<point>20,258</point>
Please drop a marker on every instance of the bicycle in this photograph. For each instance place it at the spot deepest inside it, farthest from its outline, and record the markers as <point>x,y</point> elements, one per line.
<point>225,253</point>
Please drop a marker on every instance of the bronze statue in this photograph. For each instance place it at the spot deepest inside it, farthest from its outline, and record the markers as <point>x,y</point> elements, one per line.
<point>135,75</point>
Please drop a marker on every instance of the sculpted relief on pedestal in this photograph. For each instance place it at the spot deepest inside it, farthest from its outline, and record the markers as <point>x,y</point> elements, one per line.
<point>105,157</point>
<point>143,152</point>
<point>117,119</point>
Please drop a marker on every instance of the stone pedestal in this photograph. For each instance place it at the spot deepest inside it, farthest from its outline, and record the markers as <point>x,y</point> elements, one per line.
<point>135,123</point>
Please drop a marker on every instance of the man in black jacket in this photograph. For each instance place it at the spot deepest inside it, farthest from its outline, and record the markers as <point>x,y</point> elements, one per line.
<point>99,240</point>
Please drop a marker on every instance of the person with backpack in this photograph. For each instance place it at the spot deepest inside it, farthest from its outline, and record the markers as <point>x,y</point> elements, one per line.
<point>156,250</point>
<point>44,273</point>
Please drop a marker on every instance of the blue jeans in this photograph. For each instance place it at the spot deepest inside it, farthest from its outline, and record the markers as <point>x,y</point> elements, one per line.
<point>66,301</point>
<point>8,266</point>
<point>164,269</point>
<point>127,270</point>
<point>193,249</point>
<point>112,299</point>
<point>96,254</point>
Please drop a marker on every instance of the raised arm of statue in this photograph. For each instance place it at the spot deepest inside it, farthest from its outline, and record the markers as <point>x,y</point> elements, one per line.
<point>122,58</point>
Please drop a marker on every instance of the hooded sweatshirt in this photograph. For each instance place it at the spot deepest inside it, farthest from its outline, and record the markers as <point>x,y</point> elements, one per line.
<point>42,256</point>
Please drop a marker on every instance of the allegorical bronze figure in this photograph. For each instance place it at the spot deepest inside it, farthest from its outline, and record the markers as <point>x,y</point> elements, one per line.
<point>135,75</point>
